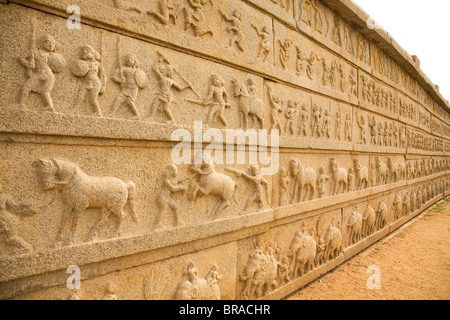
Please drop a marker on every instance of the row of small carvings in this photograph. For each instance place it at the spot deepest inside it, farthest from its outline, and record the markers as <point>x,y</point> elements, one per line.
<point>114,194</point>
<point>310,12</point>
<point>272,265</point>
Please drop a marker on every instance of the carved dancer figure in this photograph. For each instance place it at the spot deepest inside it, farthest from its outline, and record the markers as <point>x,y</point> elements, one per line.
<point>258,181</point>
<point>9,221</point>
<point>164,198</point>
<point>121,4</point>
<point>167,11</point>
<point>285,47</point>
<point>275,109</point>
<point>195,18</point>
<point>265,46</point>
<point>373,131</point>
<point>130,78</point>
<point>166,82</point>
<point>90,69</point>
<point>291,111</point>
<point>81,191</point>
<point>235,28</point>
<point>41,63</point>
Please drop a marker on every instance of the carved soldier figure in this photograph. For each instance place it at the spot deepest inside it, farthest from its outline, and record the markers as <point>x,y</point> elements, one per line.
<point>9,221</point>
<point>196,19</point>
<point>41,64</point>
<point>90,68</point>
<point>275,109</point>
<point>337,135</point>
<point>164,199</point>
<point>164,99</point>
<point>235,28</point>
<point>131,79</point>
<point>265,46</point>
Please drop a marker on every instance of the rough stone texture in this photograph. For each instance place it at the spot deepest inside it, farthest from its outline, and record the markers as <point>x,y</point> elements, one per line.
<point>364,142</point>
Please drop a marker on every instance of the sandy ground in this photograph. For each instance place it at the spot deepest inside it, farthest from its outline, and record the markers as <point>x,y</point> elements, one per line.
<point>414,264</point>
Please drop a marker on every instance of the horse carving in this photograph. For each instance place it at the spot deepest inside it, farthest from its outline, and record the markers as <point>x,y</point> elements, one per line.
<point>369,218</point>
<point>81,191</point>
<point>249,104</point>
<point>301,177</point>
<point>362,175</point>
<point>339,177</point>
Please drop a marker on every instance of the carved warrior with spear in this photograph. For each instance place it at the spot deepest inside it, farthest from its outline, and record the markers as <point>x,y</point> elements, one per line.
<point>164,99</point>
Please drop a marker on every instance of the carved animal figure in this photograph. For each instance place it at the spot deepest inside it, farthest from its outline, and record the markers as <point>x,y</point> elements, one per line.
<point>301,177</point>
<point>194,288</point>
<point>302,253</point>
<point>381,217</point>
<point>362,175</point>
<point>209,182</point>
<point>249,104</point>
<point>393,170</point>
<point>369,217</point>
<point>354,227</point>
<point>381,172</point>
<point>339,177</point>
<point>81,191</point>
<point>333,241</point>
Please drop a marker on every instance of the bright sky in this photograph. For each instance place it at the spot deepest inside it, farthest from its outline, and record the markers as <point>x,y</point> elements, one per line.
<point>422,28</point>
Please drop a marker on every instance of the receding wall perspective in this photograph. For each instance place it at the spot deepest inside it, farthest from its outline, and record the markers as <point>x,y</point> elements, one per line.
<point>197,149</point>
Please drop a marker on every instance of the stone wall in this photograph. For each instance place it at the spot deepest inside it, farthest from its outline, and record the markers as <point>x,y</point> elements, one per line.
<point>87,133</point>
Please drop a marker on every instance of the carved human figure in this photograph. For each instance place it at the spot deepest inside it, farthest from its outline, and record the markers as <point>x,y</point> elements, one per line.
<point>41,63</point>
<point>337,31</point>
<point>164,98</point>
<point>131,79</point>
<point>258,181</point>
<point>397,206</point>
<point>89,68</point>
<point>10,214</point>
<point>351,180</point>
<point>275,122</point>
<point>217,99</point>
<point>195,18</point>
<point>301,61</point>
<point>373,131</point>
<point>326,125</point>
<point>290,114</point>
<point>362,126</point>
<point>167,11</point>
<point>348,128</point>
<point>322,181</point>
<point>164,200</point>
<point>303,117</point>
<point>315,125</point>
<point>285,47</point>
<point>337,135</point>
<point>235,28</point>
<point>310,67</point>
<point>353,83</point>
<point>192,287</point>
<point>265,46</point>
<point>251,108</point>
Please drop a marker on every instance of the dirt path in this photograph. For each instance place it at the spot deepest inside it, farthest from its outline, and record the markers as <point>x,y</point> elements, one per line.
<point>414,264</point>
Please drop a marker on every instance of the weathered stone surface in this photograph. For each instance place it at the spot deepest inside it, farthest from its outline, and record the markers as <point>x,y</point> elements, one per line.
<point>91,122</point>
